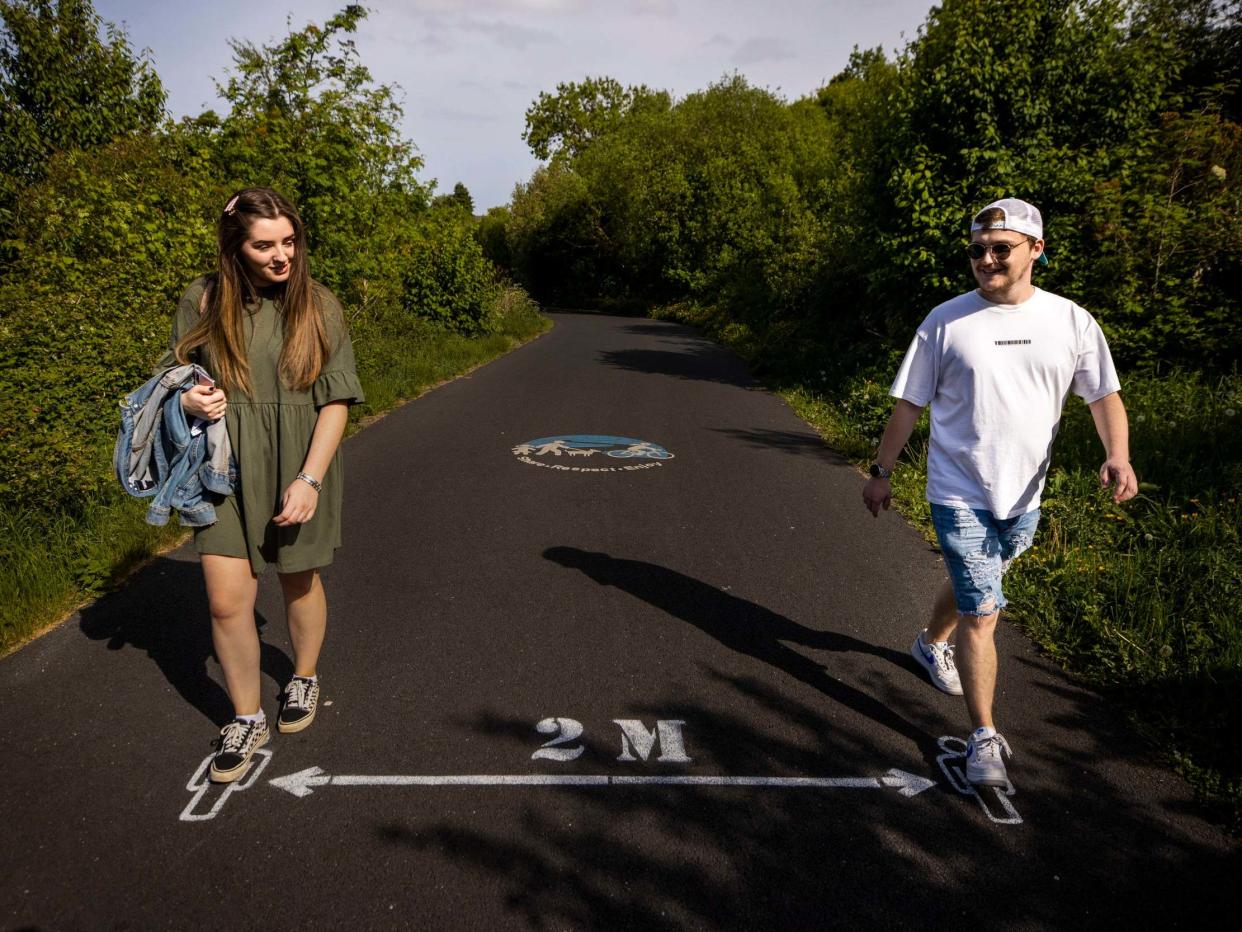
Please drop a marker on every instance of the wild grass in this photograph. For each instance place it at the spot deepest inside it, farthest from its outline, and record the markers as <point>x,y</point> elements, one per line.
<point>50,563</point>
<point>1141,600</point>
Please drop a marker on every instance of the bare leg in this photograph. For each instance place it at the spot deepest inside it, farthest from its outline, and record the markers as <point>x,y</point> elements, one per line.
<point>944,615</point>
<point>976,663</point>
<point>231,591</point>
<point>306,609</point>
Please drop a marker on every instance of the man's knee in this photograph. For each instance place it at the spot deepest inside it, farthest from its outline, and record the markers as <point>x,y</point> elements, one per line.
<point>984,622</point>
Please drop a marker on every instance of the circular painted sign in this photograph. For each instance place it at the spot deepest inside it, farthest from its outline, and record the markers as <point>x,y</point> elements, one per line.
<point>591,453</point>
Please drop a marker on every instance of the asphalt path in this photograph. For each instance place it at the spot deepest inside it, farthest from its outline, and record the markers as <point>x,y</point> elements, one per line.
<point>727,624</point>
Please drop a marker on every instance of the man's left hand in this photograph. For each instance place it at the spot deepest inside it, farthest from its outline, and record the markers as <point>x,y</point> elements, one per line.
<point>1120,475</point>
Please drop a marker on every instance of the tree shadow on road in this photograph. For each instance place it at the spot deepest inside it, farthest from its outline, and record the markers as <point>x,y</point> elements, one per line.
<point>753,630</point>
<point>694,361</point>
<point>683,858</point>
<point>162,610</point>
<point>659,329</point>
<point>798,444</point>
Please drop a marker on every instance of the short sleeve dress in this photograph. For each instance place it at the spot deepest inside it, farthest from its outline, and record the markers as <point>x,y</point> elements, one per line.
<point>270,432</point>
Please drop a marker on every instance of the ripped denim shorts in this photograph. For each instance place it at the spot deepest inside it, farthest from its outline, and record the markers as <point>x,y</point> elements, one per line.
<point>978,547</point>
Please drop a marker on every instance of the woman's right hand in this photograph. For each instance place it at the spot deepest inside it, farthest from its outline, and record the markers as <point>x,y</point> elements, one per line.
<point>205,401</point>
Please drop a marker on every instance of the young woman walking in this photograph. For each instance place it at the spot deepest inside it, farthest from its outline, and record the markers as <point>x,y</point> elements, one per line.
<point>278,348</point>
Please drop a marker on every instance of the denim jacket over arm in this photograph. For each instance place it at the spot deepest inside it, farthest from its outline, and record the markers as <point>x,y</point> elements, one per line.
<point>158,453</point>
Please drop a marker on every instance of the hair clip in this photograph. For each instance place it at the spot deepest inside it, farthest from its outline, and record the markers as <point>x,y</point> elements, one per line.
<point>231,205</point>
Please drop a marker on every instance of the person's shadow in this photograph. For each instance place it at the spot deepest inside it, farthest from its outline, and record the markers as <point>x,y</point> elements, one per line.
<point>163,610</point>
<point>750,629</point>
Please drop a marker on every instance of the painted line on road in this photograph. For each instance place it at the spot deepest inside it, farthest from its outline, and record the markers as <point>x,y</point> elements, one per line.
<point>200,784</point>
<point>450,780</point>
<point>994,801</point>
<point>305,782</point>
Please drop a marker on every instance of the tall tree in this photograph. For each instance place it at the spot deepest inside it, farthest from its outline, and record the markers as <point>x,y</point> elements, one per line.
<point>563,124</point>
<point>461,197</point>
<point>307,118</point>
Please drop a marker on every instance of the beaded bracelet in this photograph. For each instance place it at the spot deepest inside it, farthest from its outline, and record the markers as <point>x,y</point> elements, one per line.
<point>311,481</point>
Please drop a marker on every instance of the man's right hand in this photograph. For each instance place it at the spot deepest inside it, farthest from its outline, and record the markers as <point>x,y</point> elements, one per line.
<point>205,401</point>
<point>877,494</point>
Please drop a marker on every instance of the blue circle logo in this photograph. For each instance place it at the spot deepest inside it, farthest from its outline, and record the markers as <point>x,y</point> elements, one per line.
<point>591,453</point>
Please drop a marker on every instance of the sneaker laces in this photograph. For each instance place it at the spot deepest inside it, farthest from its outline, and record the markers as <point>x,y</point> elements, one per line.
<point>233,736</point>
<point>942,657</point>
<point>989,748</point>
<point>297,693</point>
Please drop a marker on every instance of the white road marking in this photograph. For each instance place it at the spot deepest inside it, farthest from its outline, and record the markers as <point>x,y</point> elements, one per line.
<point>200,783</point>
<point>953,763</point>
<point>305,782</point>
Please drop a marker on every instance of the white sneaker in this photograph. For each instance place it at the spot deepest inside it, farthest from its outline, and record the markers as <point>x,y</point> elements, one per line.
<point>937,660</point>
<point>984,758</point>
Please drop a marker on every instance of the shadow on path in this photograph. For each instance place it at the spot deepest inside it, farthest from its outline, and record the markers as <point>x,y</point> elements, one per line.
<point>698,361</point>
<point>162,610</point>
<point>753,630</point>
<point>785,441</point>
<point>679,331</point>
<point>681,858</point>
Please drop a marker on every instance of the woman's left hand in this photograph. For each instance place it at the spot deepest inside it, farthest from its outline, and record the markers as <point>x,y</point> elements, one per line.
<point>297,505</point>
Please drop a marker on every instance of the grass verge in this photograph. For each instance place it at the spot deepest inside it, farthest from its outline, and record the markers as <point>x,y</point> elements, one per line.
<point>52,563</point>
<point>1140,600</point>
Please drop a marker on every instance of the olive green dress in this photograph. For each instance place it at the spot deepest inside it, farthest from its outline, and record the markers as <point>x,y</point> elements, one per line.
<point>270,432</point>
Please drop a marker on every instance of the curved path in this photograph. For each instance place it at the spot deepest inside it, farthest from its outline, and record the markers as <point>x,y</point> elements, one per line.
<point>668,697</point>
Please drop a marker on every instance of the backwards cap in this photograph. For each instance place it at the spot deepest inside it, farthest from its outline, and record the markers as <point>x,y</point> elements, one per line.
<point>1018,216</point>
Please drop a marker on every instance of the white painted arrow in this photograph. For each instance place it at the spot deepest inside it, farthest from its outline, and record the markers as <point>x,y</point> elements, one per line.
<point>304,782</point>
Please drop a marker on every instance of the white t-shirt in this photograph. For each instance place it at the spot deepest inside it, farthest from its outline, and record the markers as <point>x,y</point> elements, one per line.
<point>996,376</point>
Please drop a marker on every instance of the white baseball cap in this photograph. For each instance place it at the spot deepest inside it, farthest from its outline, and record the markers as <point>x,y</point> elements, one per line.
<point>1019,216</point>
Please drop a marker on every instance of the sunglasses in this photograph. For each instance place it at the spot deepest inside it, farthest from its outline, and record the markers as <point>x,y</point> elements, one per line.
<point>1001,251</point>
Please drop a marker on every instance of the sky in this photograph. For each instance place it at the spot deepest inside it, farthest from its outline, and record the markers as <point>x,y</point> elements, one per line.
<point>469,69</point>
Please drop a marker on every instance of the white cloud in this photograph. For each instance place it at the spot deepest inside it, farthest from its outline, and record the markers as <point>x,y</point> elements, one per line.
<point>654,7</point>
<point>509,35</point>
<point>476,6</point>
<point>767,48</point>
<point>460,116</point>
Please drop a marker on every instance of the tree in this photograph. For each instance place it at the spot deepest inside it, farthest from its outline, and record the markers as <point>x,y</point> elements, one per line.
<point>561,125</point>
<point>307,119</point>
<point>461,197</point>
<point>63,87</point>
<point>460,200</point>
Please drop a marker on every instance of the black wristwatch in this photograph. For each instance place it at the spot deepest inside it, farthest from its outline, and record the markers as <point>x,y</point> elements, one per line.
<point>879,472</point>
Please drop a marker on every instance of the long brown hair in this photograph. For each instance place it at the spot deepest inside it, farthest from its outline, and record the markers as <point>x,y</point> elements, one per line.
<point>222,326</point>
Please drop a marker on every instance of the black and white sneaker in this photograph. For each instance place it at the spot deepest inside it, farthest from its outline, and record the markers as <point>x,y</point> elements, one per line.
<point>297,710</point>
<point>238,742</point>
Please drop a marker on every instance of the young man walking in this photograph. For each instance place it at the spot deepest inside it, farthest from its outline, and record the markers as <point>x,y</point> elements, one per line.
<point>995,364</point>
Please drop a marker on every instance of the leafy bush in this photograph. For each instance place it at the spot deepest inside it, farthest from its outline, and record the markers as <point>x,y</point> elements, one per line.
<point>448,280</point>
<point>77,331</point>
<point>62,87</point>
